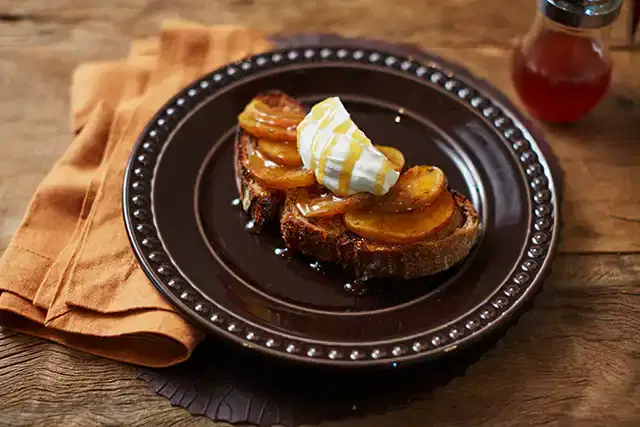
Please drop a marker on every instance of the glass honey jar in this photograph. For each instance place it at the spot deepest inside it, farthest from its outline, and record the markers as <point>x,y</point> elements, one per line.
<point>561,68</point>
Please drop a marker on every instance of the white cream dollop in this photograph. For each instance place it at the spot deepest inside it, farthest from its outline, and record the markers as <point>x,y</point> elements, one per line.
<point>342,158</point>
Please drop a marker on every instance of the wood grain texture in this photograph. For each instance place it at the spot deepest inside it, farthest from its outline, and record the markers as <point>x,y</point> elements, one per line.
<point>453,23</point>
<point>574,360</point>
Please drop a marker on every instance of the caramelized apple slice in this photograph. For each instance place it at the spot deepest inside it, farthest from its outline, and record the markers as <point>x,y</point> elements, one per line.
<point>276,176</point>
<point>418,187</point>
<point>267,131</point>
<point>273,116</point>
<point>330,205</point>
<point>404,227</point>
<point>394,155</point>
<point>282,152</point>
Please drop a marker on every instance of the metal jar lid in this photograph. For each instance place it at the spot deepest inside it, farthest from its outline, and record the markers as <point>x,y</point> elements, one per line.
<point>581,13</point>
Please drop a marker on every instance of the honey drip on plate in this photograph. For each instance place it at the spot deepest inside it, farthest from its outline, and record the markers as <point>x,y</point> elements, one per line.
<point>357,288</point>
<point>251,227</point>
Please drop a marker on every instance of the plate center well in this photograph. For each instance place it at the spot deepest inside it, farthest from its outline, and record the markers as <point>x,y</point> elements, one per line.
<point>259,260</point>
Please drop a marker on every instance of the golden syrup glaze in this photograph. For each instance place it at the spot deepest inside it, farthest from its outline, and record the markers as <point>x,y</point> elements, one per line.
<point>358,143</point>
<point>304,203</point>
<point>262,113</point>
<point>327,204</point>
<point>273,116</point>
<point>380,177</point>
<point>324,114</point>
<point>258,157</point>
<point>284,153</point>
<point>416,189</point>
<point>345,127</point>
<point>273,175</point>
<point>324,156</point>
<point>308,204</point>
<point>344,181</point>
<point>258,129</point>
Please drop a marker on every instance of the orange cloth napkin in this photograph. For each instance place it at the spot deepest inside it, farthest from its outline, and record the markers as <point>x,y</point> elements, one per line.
<point>69,273</point>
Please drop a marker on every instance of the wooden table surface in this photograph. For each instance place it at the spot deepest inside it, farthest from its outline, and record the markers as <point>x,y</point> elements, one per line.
<point>573,360</point>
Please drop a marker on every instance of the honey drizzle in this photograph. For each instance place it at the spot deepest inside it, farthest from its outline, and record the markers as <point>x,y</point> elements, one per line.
<point>381,176</point>
<point>312,158</point>
<point>303,203</point>
<point>323,157</point>
<point>324,115</point>
<point>347,168</point>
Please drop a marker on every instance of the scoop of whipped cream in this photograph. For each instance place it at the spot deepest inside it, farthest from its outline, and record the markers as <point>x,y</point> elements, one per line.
<point>342,158</point>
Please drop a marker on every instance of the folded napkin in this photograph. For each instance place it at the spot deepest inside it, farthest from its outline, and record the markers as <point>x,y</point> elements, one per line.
<point>69,274</point>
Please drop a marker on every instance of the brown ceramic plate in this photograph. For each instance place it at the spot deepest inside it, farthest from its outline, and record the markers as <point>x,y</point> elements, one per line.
<point>190,236</point>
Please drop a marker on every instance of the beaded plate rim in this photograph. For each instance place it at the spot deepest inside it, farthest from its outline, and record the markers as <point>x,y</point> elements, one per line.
<point>525,279</point>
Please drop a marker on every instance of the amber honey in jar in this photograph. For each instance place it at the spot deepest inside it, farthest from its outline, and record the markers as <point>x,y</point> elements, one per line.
<point>561,69</point>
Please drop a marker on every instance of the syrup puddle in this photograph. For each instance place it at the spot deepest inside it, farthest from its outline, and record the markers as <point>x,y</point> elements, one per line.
<point>357,288</point>
<point>251,227</point>
<point>283,252</point>
<point>316,265</point>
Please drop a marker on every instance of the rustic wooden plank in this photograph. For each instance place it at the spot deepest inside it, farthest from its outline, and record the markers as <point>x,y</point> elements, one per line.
<point>61,381</point>
<point>455,23</point>
<point>572,360</point>
<point>588,309</point>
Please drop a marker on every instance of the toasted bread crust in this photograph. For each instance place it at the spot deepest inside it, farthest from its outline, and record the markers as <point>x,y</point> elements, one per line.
<point>329,240</point>
<point>261,203</point>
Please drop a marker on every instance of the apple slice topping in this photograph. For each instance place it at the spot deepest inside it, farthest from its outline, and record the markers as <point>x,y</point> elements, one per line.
<point>416,188</point>
<point>325,205</point>
<point>284,153</point>
<point>330,204</point>
<point>394,155</point>
<point>404,227</point>
<point>272,116</point>
<point>274,175</point>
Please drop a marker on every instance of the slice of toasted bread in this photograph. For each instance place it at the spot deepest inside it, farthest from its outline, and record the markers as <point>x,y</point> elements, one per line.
<point>263,204</point>
<point>327,239</point>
